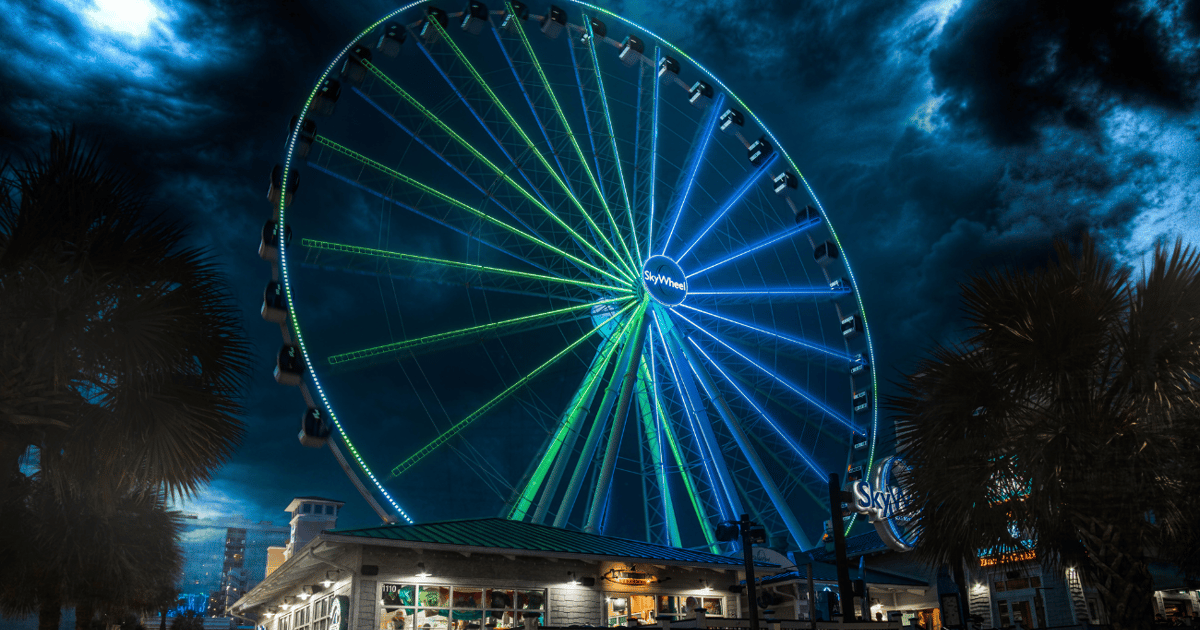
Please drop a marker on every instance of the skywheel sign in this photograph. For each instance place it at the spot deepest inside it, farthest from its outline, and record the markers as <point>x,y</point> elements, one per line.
<point>883,499</point>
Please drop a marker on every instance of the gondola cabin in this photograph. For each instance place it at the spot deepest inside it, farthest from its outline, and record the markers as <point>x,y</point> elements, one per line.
<point>731,121</point>
<point>825,253</point>
<point>353,70</point>
<point>519,12</point>
<point>326,99</point>
<point>391,40</point>
<point>474,17</point>
<point>289,366</point>
<point>314,428</point>
<point>632,50</point>
<point>553,22</point>
<point>431,33</point>
<point>274,308</point>
<point>268,245</point>
<point>700,94</point>
<point>305,137</point>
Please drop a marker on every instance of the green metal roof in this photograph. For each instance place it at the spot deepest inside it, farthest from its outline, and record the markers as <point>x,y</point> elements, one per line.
<point>505,535</point>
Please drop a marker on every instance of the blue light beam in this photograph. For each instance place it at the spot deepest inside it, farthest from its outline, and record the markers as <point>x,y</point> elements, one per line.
<point>770,240</point>
<point>826,409</point>
<point>694,162</point>
<point>747,184</point>
<point>812,465</point>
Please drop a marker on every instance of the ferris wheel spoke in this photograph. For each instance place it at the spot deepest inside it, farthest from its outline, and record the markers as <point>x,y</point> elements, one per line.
<point>612,139</point>
<point>715,468</point>
<point>776,378</point>
<point>371,261</point>
<point>755,335</point>
<point>591,120</point>
<point>765,480</point>
<point>687,178</point>
<point>754,247</point>
<point>563,441</point>
<point>473,160</point>
<point>571,137</point>
<point>533,110</point>
<point>771,296</point>
<point>468,336</point>
<point>458,427</point>
<point>645,157</point>
<point>595,433</point>
<point>654,430</point>
<point>636,341</point>
<point>540,203</point>
<point>432,195</point>
<point>787,440</point>
<point>529,144</point>
<point>753,177</point>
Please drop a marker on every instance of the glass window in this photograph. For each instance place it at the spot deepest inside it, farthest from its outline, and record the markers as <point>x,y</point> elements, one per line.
<point>320,614</point>
<point>440,607</point>
<point>329,509</point>
<point>306,508</point>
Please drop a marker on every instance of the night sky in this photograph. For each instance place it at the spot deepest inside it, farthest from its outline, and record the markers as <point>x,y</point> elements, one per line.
<point>943,138</point>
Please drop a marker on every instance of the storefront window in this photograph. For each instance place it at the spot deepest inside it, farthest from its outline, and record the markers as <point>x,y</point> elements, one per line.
<point>320,614</point>
<point>439,607</point>
<point>646,609</point>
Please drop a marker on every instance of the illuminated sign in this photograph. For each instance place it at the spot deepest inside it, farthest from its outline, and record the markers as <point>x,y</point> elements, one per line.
<point>1008,558</point>
<point>664,280</point>
<point>882,499</point>
<point>339,613</point>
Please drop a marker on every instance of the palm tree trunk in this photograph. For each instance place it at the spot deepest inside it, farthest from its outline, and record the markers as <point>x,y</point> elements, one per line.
<point>84,612</point>
<point>1120,572</point>
<point>49,608</point>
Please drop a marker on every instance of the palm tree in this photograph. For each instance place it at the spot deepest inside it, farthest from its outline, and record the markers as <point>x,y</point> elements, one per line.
<point>1066,425</point>
<point>122,356</point>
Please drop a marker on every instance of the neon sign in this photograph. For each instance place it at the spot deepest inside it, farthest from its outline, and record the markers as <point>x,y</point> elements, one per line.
<point>883,499</point>
<point>664,280</point>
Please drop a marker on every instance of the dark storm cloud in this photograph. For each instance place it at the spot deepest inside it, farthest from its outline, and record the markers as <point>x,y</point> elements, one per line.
<point>1010,67</point>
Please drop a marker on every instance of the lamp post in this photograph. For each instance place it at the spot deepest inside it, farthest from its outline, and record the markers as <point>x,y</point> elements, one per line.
<point>750,533</point>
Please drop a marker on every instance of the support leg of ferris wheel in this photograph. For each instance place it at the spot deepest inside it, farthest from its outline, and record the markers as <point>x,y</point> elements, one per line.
<point>743,442</point>
<point>618,426</point>
<point>594,434</point>
<point>346,468</point>
<point>366,494</point>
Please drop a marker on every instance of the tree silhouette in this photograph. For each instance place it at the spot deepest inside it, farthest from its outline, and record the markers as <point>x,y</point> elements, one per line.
<point>1067,425</point>
<point>122,359</point>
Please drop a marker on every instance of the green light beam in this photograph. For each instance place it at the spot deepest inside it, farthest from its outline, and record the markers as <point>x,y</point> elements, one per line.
<point>441,262</point>
<point>685,472</point>
<point>567,430</point>
<point>608,466</point>
<point>473,334</point>
<point>529,142</point>
<point>386,80</point>
<point>651,420</point>
<point>458,427</point>
<point>574,143</point>
<point>326,142</point>
<point>612,138</point>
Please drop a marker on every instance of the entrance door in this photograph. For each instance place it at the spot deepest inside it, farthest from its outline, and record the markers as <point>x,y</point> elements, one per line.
<point>1018,612</point>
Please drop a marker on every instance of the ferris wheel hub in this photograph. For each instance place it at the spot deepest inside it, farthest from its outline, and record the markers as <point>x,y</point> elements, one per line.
<point>664,280</point>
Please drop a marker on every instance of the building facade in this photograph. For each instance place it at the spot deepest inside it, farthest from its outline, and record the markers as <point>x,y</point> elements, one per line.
<point>491,573</point>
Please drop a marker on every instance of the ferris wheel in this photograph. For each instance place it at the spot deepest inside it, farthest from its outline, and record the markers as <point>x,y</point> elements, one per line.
<point>551,268</point>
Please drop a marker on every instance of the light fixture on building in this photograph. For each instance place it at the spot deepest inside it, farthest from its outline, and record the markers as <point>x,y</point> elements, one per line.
<point>707,587</point>
<point>331,577</point>
<point>421,572</point>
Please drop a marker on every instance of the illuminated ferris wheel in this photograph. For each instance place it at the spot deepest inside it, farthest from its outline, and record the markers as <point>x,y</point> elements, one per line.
<point>570,276</point>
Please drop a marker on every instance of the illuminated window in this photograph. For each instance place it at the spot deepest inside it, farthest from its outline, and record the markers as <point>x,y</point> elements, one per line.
<point>440,607</point>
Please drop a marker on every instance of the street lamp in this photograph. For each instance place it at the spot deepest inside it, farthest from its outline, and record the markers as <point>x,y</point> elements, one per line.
<point>728,531</point>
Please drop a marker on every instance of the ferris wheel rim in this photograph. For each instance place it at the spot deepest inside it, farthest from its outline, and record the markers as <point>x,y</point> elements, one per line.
<point>282,215</point>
